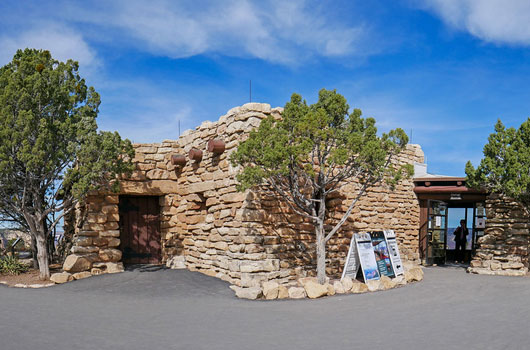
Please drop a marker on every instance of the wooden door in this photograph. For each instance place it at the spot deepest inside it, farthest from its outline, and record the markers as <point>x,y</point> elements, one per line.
<point>140,230</point>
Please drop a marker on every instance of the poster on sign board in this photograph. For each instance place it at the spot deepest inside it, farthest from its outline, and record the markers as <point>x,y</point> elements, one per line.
<point>365,250</point>
<point>395,258</point>
<point>351,267</point>
<point>382,255</point>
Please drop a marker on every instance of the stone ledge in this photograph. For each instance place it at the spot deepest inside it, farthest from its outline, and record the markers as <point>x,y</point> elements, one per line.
<point>486,271</point>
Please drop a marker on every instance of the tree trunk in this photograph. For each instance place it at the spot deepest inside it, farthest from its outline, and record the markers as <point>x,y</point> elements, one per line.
<point>34,252</point>
<point>42,256</point>
<point>321,253</point>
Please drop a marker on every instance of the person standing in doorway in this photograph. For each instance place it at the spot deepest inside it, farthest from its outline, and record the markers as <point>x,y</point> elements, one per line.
<point>460,233</point>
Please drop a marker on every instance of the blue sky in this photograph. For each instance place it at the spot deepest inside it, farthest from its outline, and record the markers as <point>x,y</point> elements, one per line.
<point>443,70</point>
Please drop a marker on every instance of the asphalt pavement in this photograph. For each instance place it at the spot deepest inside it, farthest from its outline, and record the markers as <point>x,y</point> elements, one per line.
<point>152,308</point>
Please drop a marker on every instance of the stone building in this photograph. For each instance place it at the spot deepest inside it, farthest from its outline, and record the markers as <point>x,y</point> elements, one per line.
<point>181,207</point>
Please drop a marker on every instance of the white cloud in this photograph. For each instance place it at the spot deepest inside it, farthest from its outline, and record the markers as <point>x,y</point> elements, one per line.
<point>278,31</point>
<point>497,21</point>
<point>63,43</point>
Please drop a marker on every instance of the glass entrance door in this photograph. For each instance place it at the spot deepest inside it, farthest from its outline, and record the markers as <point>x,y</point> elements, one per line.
<point>474,216</point>
<point>436,232</point>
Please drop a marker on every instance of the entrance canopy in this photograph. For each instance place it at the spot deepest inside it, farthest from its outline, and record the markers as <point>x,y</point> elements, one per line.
<point>446,188</point>
<point>444,201</point>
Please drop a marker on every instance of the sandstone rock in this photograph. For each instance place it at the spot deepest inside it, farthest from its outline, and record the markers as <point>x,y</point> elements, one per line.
<point>61,277</point>
<point>339,288</point>
<point>315,290</point>
<point>271,290</point>
<point>331,289</point>
<point>302,281</point>
<point>373,285</point>
<point>110,233</point>
<point>246,293</point>
<point>76,263</point>
<point>347,283</point>
<point>400,280</point>
<point>110,254</point>
<point>359,287</point>
<point>387,283</point>
<point>512,265</point>
<point>475,263</point>
<point>296,293</point>
<point>414,274</point>
<point>113,267</point>
<point>260,265</point>
<point>41,285</point>
<point>495,265</point>
<point>96,271</point>
<point>521,272</point>
<point>283,292</point>
<point>177,262</point>
<point>407,265</point>
<point>81,275</point>
<point>84,250</point>
<point>113,242</point>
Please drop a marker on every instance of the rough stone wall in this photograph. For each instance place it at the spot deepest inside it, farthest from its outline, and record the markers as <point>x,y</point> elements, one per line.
<point>503,250</point>
<point>245,238</point>
<point>96,237</point>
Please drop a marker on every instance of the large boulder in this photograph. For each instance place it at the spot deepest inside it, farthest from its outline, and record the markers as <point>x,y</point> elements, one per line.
<point>331,289</point>
<point>110,254</point>
<point>177,262</point>
<point>315,290</point>
<point>414,274</point>
<point>387,283</point>
<point>339,288</point>
<point>297,293</point>
<point>283,292</point>
<point>114,267</point>
<point>61,277</point>
<point>302,281</point>
<point>347,283</point>
<point>359,287</point>
<point>270,290</point>
<point>400,280</point>
<point>374,285</point>
<point>76,263</point>
<point>246,293</point>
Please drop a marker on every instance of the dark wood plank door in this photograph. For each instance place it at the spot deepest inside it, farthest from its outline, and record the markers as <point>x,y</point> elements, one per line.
<point>140,230</point>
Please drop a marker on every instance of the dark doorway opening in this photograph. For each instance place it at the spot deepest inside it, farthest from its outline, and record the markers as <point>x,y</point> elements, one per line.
<point>140,230</point>
<point>442,221</point>
<point>444,201</point>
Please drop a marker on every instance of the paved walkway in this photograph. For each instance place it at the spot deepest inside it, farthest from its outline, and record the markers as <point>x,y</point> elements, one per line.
<point>169,309</point>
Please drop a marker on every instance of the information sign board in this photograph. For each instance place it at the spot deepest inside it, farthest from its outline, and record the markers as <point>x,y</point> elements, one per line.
<point>395,258</point>
<point>366,256</point>
<point>351,267</point>
<point>382,256</point>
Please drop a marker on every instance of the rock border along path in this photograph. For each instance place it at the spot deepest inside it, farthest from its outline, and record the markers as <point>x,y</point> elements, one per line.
<point>308,287</point>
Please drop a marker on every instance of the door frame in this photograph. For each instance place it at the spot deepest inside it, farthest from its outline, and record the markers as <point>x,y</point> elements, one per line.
<point>430,257</point>
<point>150,217</point>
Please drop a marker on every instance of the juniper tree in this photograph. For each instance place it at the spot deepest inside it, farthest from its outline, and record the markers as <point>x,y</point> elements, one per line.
<point>505,168</point>
<point>51,153</point>
<point>312,152</point>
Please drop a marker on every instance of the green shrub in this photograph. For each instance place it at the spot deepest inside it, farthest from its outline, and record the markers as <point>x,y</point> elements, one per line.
<point>10,265</point>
